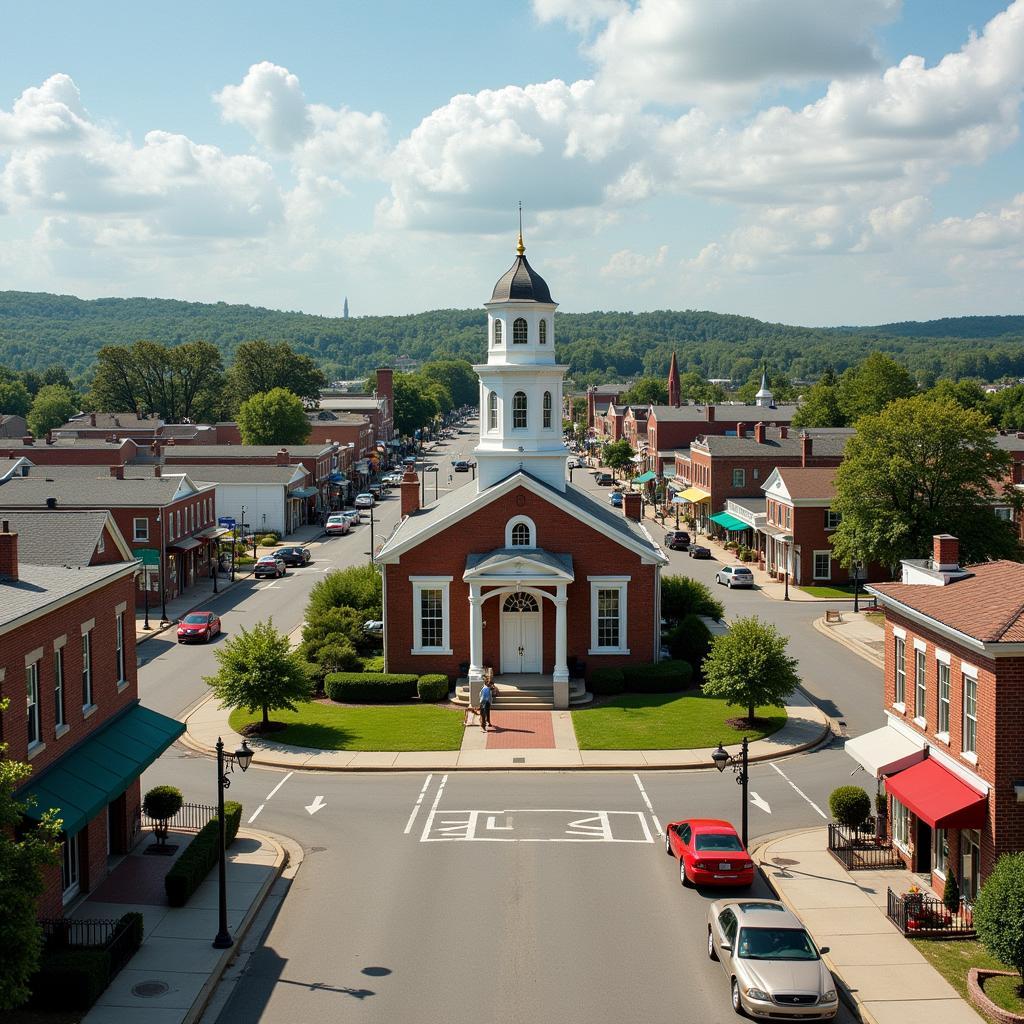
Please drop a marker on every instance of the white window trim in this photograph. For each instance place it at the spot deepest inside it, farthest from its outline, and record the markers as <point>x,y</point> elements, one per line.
<point>814,564</point>
<point>968,670</point>
<point>138,536</point>
<point>742,477</point>
<point>620,583</point>
<point>920,645</point>
<point>943,656</point>
<point>419,584</point>
<point>899,632</point>
<point>828,513</point>
<point>515,520</point>
<point>32,666</point>
<point>904,846</point>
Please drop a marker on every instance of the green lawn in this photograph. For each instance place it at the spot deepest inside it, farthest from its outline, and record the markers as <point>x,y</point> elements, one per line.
<point>953,957</point>
<point>841,591</point>
<point>342,727</point>
<point>666,722</point>
<point>878,618</point>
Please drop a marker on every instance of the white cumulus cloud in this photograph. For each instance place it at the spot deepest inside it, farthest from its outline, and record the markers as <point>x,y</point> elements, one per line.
<point>269,104</point>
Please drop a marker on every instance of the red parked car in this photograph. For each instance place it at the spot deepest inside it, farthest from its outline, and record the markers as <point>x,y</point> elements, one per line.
<point>709,852</point>
<point>201,626</point>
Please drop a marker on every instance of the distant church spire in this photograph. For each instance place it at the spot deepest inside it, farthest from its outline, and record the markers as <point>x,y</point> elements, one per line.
<point>344,312</point>
<point>674,386</point>
<point>764,396</point>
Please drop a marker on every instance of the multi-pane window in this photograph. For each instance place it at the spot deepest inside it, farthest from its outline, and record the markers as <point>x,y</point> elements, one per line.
<point>739,477</point>
<point>940,851</point>
<point>58,686</point>
<point>431,618</point>
<point>69,866</point>
<point>87,669</point>
<point>831,519</point>
<point>900,824</point>
<point>822,565</point>
<point>920,688</point>
<point>492,410</point>
<point>943,676</point>
<point>32,702</point>
<point>789,517</point>
<point>519,331</point>
<point>899,658</point>
<point>519,410</point>
<point>497,332</point>
<point>521,535</point>
<point>543,329</point>
<point>970,740</point>
<point>608,618</point>
<point>178,534</point>
<point>547,410</point>
<point>120,647</point>
<point>140,529</point>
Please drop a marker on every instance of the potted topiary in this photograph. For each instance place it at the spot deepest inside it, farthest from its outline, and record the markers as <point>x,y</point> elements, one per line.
<point>161,804</point>
<point>850,805</point>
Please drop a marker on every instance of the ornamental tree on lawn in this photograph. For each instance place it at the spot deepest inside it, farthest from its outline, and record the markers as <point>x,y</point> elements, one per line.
<point>273,417</point>
<point>258,671</point>
<point>999,911</point>
<point>749,667</point>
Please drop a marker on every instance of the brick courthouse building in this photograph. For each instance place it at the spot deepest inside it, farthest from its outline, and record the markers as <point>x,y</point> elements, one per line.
<point>520,571</point>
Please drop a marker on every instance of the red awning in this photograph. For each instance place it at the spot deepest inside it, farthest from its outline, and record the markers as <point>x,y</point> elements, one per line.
<point>937,796</point>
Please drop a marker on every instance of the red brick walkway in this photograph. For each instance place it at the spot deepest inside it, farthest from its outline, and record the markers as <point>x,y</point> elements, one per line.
<point>511,730</point>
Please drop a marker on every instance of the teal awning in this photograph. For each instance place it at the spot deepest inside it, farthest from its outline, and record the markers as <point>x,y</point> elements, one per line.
<point>644,478</point>
<point>101,767</point>
<point>729,522</point>
<point>304,492</point>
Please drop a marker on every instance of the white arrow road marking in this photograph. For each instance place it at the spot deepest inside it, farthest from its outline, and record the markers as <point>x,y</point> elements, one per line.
<point>318,804</point>
<point>798,790</point>
<point>758,802</point>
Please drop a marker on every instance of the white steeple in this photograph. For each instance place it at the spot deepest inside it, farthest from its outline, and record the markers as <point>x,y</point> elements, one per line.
<point>764,397</point>
<point>521,384</point>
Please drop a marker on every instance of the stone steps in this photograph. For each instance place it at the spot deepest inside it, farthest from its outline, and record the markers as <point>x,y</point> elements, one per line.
<point>527,696</point>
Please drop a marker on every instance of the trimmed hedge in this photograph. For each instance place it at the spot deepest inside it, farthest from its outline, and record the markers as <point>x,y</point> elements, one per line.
<point>370,687</point>
<point>606,682</point>
<point>373,663</point>
<point>194,864</point>
<point>662,677</point>
<point>433,687</point>
<point>850,805</point>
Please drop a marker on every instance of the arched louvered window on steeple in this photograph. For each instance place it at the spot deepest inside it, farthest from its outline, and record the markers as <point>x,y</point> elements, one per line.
<point>492,410</point>
<point>497,332</point>
<point>543,332</point>
<point>519,410</point>
<point>547,410</point>
<point>519,331</point>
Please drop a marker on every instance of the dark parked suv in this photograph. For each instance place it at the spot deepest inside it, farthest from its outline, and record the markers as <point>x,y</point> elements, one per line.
<point>677,540</point>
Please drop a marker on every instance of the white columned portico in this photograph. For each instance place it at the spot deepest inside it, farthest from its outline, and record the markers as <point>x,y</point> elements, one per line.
<point>476,644</point>
<point>560,676</point>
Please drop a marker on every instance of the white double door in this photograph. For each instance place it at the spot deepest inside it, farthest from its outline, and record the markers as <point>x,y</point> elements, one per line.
<point>520,634</point>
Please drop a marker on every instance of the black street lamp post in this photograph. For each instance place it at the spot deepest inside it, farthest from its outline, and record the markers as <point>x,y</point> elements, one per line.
<point>785,573</point>
<point>856,586</point>
<point>371,535</point>
<point>213,572</point>
<point>145,594</point>
<point>739,766</point>
<point>243,758</point>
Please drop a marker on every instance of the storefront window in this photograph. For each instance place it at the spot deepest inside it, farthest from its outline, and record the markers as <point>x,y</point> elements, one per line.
<point>900,825</point>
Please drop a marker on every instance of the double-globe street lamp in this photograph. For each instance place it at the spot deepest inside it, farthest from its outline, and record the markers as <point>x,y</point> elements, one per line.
<point>243,758</point>
<point>739,765</point>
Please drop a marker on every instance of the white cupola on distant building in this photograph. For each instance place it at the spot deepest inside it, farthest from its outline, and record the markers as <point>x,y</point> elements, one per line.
<point>764,397</point>
<point>521,384</point>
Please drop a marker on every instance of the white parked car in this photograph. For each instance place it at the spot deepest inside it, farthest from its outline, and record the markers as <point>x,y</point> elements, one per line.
<point>364,500</point>
<point>735,576</point>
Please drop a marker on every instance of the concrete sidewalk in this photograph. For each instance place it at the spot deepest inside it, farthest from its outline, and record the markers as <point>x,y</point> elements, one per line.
<point>807,726</point>
<point>881,972</point>
<point>173,975</point>
<point>858,634</point>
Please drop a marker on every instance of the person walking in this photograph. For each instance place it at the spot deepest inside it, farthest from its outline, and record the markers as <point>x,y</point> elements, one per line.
<point>486,697</point>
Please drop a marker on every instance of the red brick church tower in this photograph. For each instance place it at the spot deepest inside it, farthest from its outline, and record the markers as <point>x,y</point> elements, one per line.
<point>520,571</point>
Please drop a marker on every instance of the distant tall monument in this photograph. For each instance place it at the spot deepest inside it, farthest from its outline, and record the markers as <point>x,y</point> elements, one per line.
<point>344,312</point>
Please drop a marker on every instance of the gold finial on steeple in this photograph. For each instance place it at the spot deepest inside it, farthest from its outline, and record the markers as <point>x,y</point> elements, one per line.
<point>520,248</point>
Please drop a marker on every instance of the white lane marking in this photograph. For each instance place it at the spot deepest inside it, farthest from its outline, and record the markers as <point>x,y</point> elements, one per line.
<point>491,819</point>
<point>535,825</point>
<point>280,784</point>
<point>318,804</point>
<point>759,802</point>
<point>255,813</point>
<point>798,790</point>
<point>643,792</point>
<point>433,809</point>
<point>416,808</point>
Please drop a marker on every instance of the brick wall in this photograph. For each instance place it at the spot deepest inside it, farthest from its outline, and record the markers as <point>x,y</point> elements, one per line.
<point>445,555</point>
<point>43,454</point>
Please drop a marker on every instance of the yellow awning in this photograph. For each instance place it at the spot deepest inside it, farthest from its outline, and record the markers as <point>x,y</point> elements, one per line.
<point>694,495</point>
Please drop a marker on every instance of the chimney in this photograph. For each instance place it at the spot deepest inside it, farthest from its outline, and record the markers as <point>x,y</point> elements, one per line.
<point>92,419</point>
<point>282,457</point>
<point>386,384</point>
<point>117,472</point>
<point>158,472</point>
<point>806,448</point>
<point>784,431</point>
<point>631,505</point>
<point>410,492</point>
<point>28,440</point>
<point>709,414</point>
<point>8,554</point>
<point>945,553</point>
<point>760,432</point>
<point>49,437</point>
<point>741,430</point>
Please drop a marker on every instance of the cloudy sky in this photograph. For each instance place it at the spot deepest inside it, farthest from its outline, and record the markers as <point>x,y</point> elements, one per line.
<point>839,162</point>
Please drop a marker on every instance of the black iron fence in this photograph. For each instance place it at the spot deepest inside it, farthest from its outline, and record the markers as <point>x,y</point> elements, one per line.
<point>860,849</point>
<point>72,932</point>
<point>119,939</point>
<point>191,818</point>
<point>923,915</point>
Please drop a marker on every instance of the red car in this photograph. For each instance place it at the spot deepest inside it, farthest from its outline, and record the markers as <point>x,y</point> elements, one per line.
<point>709,852</point>
<point>202,626</point>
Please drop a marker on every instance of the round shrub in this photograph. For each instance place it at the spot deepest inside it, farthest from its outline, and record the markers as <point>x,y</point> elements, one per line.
<point>162,802</point>
<point>370,687</point>
<point>850,805</point>
<point>373,663</point>
<point>606,682</point>
<point>999,911</point>
<point>268,540</point>
<point>689,640</point>
<point>662,677</point>
<point>432,687</point>
<point>339,656</point>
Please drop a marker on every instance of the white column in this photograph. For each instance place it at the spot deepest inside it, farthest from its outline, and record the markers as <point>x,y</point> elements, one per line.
<point>476,644</point>
<point>560,677</point>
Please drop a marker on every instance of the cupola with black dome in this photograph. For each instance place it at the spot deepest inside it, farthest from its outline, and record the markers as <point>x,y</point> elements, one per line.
<point>521,283</point>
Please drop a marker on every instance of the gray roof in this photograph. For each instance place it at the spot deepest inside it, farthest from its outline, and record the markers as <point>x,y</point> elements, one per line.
<point>343,403</point>
<point>7,466</point>
<point>555,561</point>
<point>92,442</point>
<point>186,452</point>
<point>725,413</point>
<point>40,586</point>
<point>335,416</point>
<point>111,420</point>
<point>1010,442</point>
<point>78,490</point>
<point>214,473</point>
<point>773,446</point>
<point>56,537</point>
<point>755,505</point>
<point>521,283</point>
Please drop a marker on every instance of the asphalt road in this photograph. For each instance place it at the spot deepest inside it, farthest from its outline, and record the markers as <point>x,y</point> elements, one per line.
<point>494,896</point>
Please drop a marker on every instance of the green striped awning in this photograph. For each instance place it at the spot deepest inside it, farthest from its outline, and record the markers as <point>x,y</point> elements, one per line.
<point>644,478</point>
<point>729,522</point>
<point>101,767</point>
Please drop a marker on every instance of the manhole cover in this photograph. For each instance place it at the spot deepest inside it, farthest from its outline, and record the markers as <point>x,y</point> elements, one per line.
<point>150,989</point>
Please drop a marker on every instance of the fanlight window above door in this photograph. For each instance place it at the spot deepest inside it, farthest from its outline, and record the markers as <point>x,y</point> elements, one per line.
<point>520,602</point>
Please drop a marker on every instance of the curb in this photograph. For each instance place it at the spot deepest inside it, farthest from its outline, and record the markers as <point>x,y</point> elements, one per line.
<point>206,992</point>
<point>846,996</point>
<point>827,731</point>
<point>142,637</point>
<point>851,645</point>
